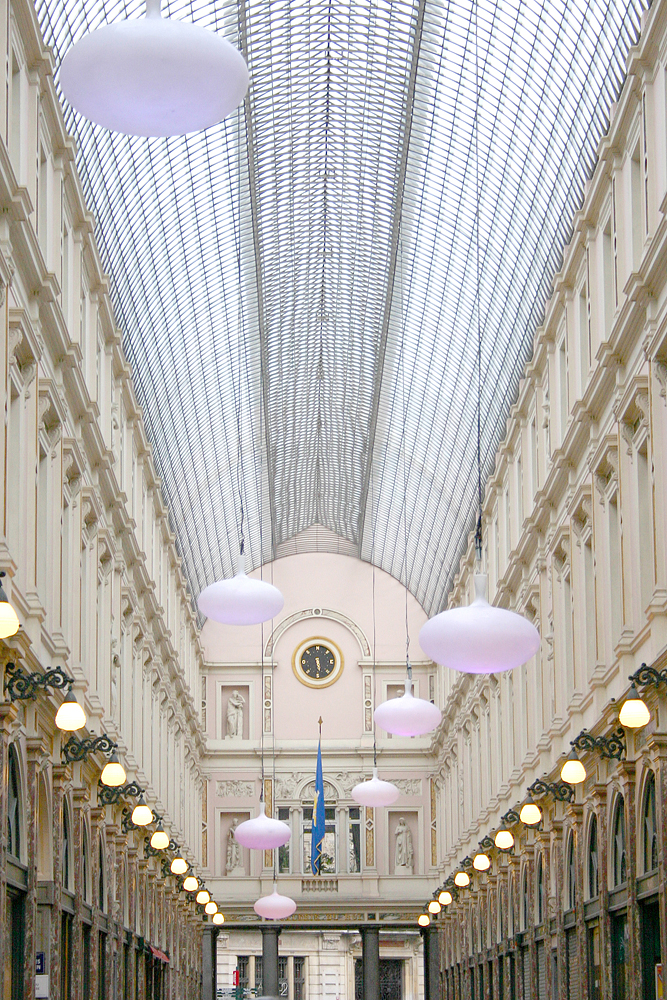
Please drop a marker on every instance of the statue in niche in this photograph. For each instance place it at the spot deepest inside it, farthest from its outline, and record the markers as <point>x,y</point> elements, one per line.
<point>235,704</point>
<point>404,857</point>
<point>234,854</point>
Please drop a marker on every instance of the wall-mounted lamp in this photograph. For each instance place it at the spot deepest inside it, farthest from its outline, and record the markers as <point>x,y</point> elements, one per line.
<point>434,906</point>
<point>179,866</point>
<point>634,713</point>
<point>9,622</point>
<point>445,897</point>
<point>462,879</point>
<point>21,686</point>
<point>211,907</point>
<point>190,883</point>
<point>112,796</point>
<point>573,771</point>
<point>203,896</point>
<point>530,814</point>
<point>560,791</point>
<point>218,918</point>
<point>423,920</point>
<point>113,772</point>
<point>504,840</point>
<point>481,862</point>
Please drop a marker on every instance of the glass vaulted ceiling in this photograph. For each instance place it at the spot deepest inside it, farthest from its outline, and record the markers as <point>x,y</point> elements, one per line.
<point>301,278</point>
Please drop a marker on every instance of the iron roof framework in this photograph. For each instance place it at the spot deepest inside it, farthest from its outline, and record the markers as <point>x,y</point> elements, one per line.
<point>300,279</point>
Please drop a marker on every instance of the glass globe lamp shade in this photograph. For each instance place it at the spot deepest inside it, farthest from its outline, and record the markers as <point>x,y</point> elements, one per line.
<point>203,896</point>
<point>481,862</point>
<point>434,906</point>
<point>153,76</point>
<point>142,815</point>
<point>9,622</point>
<point>113,773</point>
<point>218,918</point>
<point>573,771</point>
<point>179,866</point>
<point>462,879</point>
<point>445,897</point>
<point>375,792</point>
<point>275,906</point>
<point>190,883</point>
<point>262,833</point>
<point>241,600</point>
<point>70,716</point>
<point>530,814</point>
<point>407,715</point>
<point>504,839</point>
<point>159,840</point>
<point>634,713</point>
<point>479,639</point>
<point>211,908</point>
<point>423,920</point>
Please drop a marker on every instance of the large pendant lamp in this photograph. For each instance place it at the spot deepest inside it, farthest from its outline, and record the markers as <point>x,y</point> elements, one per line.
<point>407,715</point>
<point>275,906</point>
<point>375,792</point>
<point>154,76</point>
<point>262,833</point>
<point>241,600</point>
<point>479,639</point>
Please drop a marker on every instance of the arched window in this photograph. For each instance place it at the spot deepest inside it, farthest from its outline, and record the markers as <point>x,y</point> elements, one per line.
<point>593,866</point>
<point>649,827</point>
<point>619,860</point>
<point>85,866</point>
<point>571,873</point>
<point>525,905</point>
<point>539,890</point>
<point>13,806</point>
<point>67,849</point>
<point>101,895</point>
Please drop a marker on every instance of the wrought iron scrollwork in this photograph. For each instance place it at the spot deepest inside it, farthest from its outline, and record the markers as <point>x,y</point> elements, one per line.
<point>648,675</point>
<point>486,843</point>
<point>560,791</point>
<point>510,817</point>
<point>112,796</point>
<point>612,746</point>
<point>21,686</point>
<point>76,749</point>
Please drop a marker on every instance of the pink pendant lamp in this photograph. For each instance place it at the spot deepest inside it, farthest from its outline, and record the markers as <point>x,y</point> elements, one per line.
<point>375,792</point>
<point>407,715</point>
<point>262,833</point>
<point>241,600</point>
<point>275,906</point>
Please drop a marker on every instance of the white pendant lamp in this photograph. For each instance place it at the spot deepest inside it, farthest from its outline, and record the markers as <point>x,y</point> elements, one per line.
<point>504,840</point>
<point>275,906</point>
<point>211,907</point>
<point>407,715</point>
<point>142,814</point>
<point>159,840</point>
<point>462,879</point>
<point>218,918</point>
<point>634,714</point>
<point>423,920</point>
<point>154,76</point>
<point>179,866</point>
<point>375,792</point>
<point>434,906</point>
<point>9,622</point>
<point>445,897</point>
<point>241,600</point>
<point>262,833</point>
<point>190,883</point>
<point>70,716</point>
<point>573,771</point>
<point>479,639</point>
<point>203,896</point>
<point>481,862</point>
<point>530,814</point>
<point>113,774</point>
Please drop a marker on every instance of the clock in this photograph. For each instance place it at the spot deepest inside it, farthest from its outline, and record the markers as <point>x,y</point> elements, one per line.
<point>317,662</point>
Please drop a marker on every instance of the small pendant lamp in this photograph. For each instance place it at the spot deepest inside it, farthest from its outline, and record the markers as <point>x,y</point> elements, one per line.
<point>434,906</point>
<point>190,883</point>
<point>211,907</point>
<point>159,840</point>
<point>407,715</point>
<point>262,833</point>
<point>375,792</point>
<point>479,639</point>
<point>153,76</point>
<point>423,920</point>
<point>634,714</point>
<point>218,918</point>
<point>142,814</point>
<point>179,866</point>
<point>275,906</point>
<point>241,600</point>
<point>445,897</point>
<point>504,840</point>
<point>203,896</point>
<point>481,862</point>
<point>70,716</point>
<point>113,774</point>
<point>530,814</point>
<point>9,622</point>
<point>573,771</point>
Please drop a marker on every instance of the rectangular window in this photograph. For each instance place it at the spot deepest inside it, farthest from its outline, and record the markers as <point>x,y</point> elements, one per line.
<point>589,583</point>
<point>243,967</point>
<point>283,981</point>
<point>283,852</point>
<point>299,978</point>
<point>562,384</point>
<point>66,957</point>
<point>608,278</point>
<point>644,524</point>
<point>584,339</point>
<point>619,957</point>
<point>637,209</point>
<point>354,840</point>
<point>615,572</point>
<point>328,864</point>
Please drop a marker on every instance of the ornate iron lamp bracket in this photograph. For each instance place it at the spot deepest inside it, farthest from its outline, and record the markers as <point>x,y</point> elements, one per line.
<point>21,686</point>
<point>560,791</point>
<point>611,747</point>
<point>76,749</point>
<point>648,675</point>
<point>112,796</point>
<point>510,817</point>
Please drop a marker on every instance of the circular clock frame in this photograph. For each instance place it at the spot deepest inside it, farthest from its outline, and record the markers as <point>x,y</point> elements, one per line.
<point>325,681</point>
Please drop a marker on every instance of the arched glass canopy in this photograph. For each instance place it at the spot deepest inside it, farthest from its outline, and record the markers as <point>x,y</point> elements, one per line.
<point>301,236</point>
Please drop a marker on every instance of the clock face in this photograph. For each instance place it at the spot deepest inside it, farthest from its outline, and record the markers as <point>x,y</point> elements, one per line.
<point>318,662</point>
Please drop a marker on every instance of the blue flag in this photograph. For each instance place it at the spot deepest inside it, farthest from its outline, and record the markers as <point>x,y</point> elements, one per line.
<point>317,835</point>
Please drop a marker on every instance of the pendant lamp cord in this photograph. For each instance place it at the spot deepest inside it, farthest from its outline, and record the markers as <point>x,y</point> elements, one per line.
<point>239,448</point>
<point>478,529</point>
<point>405,474</point>
<point>375,748</point>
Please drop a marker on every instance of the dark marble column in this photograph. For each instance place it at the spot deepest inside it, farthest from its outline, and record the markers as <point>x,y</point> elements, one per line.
<point>370,962</point>
<point>430,937</point>
<point>270,935</point>
<point>209,963</point>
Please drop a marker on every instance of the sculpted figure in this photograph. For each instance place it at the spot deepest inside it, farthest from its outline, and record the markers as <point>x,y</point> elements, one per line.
<point>404,855</point>
<point>234,855</point>
<point>235,714</point>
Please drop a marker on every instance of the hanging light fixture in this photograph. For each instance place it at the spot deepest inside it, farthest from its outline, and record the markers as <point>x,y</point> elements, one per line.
<point>375,792</point>
<point>407,715</point>
<point>462,879</point>
<point>218,918</point>
<point>445,897</point>
<point>634,713</point>
<point>573,771</point>
<point>142,815</point>
<point>530,814</point>
<point>423,920</point>
<point>481,862</point>
<point>203,896</point>
<point>113,774</point>
<point>262,833</point>
<point>211,908</point>
<point>190,883</point>
<point>70,716</point>
<point>241,600</point>
<point>504,840</point>
<point>159,840</point>
<point>275,906</point>
<point>179,866</point>
<point>9,622</point>
<point>434,906</point>
<point>153,76</point>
